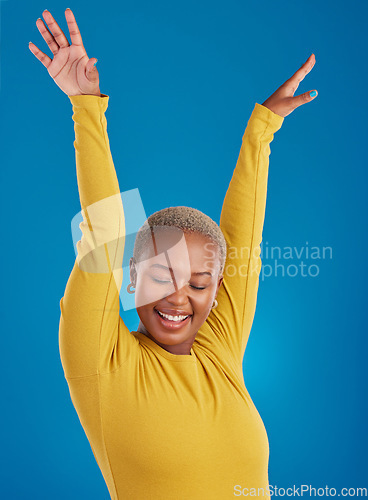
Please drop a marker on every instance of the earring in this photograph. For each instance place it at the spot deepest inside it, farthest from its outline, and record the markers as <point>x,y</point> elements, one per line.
<point>129,288</point>
<point>215,304</point>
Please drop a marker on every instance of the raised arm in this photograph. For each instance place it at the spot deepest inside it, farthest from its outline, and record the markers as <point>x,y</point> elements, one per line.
<point>92,337</point>
<point>242,220</point>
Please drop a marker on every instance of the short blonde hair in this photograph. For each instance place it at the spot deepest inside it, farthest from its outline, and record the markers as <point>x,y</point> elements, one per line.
<point>188,220</point>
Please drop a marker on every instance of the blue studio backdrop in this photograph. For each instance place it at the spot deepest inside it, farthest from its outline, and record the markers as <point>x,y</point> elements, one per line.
<point>183,78</point>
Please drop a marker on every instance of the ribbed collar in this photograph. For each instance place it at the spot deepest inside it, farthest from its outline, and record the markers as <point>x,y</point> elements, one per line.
<point>143,339</point>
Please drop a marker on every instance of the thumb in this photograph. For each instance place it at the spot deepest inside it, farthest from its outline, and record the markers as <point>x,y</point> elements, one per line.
<point>91,70</point>
<point>304,98</point>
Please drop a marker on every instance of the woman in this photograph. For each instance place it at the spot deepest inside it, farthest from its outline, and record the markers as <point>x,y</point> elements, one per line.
<point>165,407</point>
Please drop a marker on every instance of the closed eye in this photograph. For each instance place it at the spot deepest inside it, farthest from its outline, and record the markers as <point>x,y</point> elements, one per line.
<point>160,281</point>
<point>164,281</point>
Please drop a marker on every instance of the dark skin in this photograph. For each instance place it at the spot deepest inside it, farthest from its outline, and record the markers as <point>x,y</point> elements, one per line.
<point>186,284</point>
<point>177,288</point>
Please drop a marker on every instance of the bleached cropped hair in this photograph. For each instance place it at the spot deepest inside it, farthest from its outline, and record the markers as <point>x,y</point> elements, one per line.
<point>188,220</point>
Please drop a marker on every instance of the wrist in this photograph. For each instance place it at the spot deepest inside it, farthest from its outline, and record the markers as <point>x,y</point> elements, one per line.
<point>97,94</point>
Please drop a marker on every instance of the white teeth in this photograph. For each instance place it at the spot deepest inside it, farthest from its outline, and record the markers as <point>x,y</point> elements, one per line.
<point>172,318</point>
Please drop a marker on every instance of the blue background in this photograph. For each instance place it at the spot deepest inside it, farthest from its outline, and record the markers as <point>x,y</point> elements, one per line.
<point>183,78</point>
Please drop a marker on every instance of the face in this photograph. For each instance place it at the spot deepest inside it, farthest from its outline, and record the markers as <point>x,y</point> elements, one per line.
<point>178,276</point>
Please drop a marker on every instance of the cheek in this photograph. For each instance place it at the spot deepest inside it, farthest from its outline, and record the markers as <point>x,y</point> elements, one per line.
<point>147,291</point>
<point>202,302</point>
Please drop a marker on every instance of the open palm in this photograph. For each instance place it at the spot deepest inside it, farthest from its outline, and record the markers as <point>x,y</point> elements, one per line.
<point>71,69</point>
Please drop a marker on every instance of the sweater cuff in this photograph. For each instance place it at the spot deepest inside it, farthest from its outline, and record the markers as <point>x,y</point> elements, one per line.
<point>267,117</point>
<point>90,101</point>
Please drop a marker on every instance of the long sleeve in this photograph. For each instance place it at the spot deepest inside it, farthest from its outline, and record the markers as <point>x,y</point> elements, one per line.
<point>157,422</point>
<point>92,336</point>
<point>241,222</point>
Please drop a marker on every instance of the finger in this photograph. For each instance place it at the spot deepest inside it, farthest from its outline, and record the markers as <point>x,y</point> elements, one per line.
<point>299,75</point>
<point>90,66</point>
<point>53,26</point>
<point>75,35</point>
<point>46,61</point>
<point>46,35</point>
<point>91,70</point>
<point>303,98</point>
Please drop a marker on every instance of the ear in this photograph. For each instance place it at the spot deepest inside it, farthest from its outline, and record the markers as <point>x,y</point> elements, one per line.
<point>132,271</point>
<point>220,280</point>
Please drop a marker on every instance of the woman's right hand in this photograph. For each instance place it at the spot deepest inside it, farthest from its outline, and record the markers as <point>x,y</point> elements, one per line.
<point>71,69</point>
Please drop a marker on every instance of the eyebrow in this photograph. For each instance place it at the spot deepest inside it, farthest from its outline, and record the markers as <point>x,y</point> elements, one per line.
<point>170,268</point>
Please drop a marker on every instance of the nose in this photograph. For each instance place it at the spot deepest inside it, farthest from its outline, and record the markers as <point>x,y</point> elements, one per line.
<point>179,297</point>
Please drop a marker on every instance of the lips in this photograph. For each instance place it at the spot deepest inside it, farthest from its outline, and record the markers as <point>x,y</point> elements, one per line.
<point>173,312</point>
<point>170,324</point>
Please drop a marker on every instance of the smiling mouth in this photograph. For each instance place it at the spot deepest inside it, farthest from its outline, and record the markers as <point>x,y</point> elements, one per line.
<point>171,321</point>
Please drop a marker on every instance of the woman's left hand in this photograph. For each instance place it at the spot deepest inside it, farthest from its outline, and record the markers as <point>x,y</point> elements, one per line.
<point>282,102</point>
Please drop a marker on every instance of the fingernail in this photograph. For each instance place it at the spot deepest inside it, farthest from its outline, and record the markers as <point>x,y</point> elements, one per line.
<point>313,93</point>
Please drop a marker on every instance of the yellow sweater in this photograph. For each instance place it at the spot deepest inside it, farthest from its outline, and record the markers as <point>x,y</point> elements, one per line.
<point>165,426</point>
